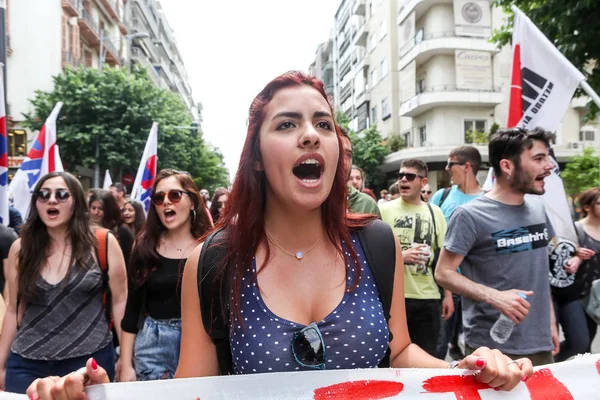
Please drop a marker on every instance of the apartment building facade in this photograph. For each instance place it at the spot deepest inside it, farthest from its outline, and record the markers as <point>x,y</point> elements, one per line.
<point>454,82</point>
<point>46,36</point>
<point>322,66</point>
<point>158,52</point>
<point>70,33</point>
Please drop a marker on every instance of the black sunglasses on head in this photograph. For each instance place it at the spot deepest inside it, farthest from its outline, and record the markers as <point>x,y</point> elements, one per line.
<point>174,196</point>
<point>409,176</point>
<point>308,347</point>
<point>61,195</point>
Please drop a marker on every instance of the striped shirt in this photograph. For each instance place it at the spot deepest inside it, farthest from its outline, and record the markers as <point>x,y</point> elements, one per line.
<point>65,320</point>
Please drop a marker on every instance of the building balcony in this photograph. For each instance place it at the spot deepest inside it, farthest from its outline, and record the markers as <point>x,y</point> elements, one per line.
<point>419,6</point>
<point>343,44</point>
<point>123,29</point>
<point>346,91</point>
<point>71,7</point>
<point>112,54</point>
<point>69,60</point>
<point>448,96</point>
<point>112,8</point>
<point>360,39</point>
<point>359,7</point>
<point>362,97</point>
<point>88,29</point>
<point>345,67</point>
<point>424,46</point>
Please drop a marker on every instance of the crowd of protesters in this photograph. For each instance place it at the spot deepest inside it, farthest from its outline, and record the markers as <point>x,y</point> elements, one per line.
<point>275,274</point>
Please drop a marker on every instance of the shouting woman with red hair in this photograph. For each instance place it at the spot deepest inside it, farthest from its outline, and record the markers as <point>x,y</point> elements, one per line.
<point>298,290</point>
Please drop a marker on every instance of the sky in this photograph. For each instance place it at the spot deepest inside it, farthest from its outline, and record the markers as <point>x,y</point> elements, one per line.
<point>232,49</point>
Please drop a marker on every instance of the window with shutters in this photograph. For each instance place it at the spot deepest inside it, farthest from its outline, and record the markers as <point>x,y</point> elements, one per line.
<point>65,37</point>
<point>76,42</point>
<point>88,58</point>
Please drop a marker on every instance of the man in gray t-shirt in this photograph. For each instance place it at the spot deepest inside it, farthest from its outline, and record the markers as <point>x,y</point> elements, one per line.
<point>499,243</point>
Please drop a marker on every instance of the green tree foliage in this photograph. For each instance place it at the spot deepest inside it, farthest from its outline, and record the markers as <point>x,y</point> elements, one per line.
<point>368,148</point>
<point>569,24</point>
<point>582,172</point>
<point>120,107</point>
<point>476,137</point>
<point>395,142</point>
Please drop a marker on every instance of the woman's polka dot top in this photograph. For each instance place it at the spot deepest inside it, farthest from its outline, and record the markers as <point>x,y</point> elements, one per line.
<point>355,333</point>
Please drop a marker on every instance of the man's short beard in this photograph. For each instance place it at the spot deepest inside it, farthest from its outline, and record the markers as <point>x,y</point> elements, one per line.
<point>524,183</point>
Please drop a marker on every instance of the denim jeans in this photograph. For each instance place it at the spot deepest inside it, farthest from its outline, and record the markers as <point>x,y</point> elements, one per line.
<point>572,319</point>
<point>21,372</point>
<point>449,329</point>
<point>156,349</point>
<point>423,318</point>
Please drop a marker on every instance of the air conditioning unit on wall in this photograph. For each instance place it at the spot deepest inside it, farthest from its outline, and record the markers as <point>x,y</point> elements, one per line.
<point>575,145</point>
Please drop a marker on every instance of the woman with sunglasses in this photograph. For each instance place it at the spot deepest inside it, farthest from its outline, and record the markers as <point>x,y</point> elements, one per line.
<point>152,322</point>
<point>217,205</point>
<point>133,216</point>
<point>301,288</point>
<point>56,318</point>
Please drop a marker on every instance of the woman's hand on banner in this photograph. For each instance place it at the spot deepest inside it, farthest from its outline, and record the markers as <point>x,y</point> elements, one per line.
<point>496,369</point>
<point>68,387</point>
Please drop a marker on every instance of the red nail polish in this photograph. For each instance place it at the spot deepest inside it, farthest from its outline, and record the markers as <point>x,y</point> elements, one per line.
<point>480,363</point>
<point>497,389</point>
<point>524,379</point>
<point>94,364</point>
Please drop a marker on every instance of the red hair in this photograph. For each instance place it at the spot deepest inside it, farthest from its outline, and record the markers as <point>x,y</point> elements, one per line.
<point>244,218</point>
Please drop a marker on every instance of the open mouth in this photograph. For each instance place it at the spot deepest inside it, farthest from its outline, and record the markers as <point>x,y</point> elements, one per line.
<point>405,187</point>
<point>308,171</point>
<point>53,212</point>
<point>541,178</point>
<point>170,214</point>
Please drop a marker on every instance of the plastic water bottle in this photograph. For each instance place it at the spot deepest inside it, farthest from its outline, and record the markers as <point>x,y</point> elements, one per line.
<point>503,327</point>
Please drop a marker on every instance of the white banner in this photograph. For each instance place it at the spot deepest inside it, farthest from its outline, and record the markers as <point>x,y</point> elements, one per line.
<point>571,380</point>
<point>472,18</point>
<point>473,70</point>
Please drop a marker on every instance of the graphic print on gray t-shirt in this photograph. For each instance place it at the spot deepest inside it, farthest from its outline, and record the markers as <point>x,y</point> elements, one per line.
<point>504,247</point>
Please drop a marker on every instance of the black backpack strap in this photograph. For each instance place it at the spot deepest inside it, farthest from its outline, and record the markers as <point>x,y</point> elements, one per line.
<point>213,307</point>
<point>435,236</point>
<point>379,245</point>
<point>445,195</point>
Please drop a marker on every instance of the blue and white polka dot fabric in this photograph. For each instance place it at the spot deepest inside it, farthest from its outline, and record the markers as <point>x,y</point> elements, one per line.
<point>355,333</point>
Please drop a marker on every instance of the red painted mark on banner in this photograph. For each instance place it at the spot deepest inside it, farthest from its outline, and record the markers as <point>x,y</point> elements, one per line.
<point>360,390</point>
<point>543,385</point>
<point>464,387</point>
<point>598,366</point>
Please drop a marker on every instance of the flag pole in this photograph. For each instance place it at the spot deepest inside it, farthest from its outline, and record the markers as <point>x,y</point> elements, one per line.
<point>590,92</point>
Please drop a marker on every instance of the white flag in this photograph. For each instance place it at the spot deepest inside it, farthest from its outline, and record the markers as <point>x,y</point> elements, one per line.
<point>42,158</point>
<point>144,179</point>
<point>107,180</point>
<point>543,80</point>
<point>543,83</point>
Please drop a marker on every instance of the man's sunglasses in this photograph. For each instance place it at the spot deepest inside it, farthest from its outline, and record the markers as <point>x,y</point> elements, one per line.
<point>453,163</point>
<point>308,347</point>
<point>61,195</point>
<point>426,191</point>
<point>409,176</point>
<point>174,196</point>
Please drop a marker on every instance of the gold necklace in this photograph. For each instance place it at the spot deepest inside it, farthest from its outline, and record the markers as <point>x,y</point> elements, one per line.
<point>299,254</point>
